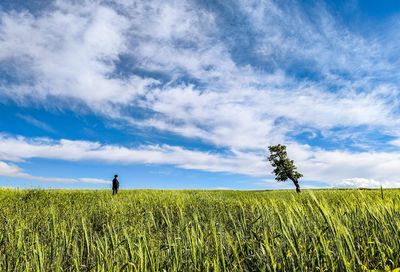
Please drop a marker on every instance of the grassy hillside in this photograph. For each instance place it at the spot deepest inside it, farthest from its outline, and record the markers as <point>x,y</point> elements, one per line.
<point>143,230</point>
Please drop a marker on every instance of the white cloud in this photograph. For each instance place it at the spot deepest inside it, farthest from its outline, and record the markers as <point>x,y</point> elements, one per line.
<point>13,171</point>
<point>338,168</point>
<point>19,149</point>
<point>358,182</point>
<point>67,53</point>
<point>395,142</point>
<point>347,169</point>
<point>366,183</point>
<point>245,118</point>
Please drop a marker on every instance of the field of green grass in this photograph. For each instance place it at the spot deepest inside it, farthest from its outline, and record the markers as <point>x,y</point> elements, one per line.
<point>161,230</point>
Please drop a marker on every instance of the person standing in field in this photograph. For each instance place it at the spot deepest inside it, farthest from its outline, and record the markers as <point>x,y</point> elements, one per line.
<point>115,184</point>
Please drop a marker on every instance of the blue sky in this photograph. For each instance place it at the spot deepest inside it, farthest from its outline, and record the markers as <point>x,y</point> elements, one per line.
<point>189,94</point>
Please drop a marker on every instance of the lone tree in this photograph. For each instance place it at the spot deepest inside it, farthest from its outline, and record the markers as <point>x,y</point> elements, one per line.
<point>284,168</point>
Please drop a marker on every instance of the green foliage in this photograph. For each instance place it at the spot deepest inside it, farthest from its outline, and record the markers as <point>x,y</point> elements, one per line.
<point>284,168</point>
<point>156,230</point>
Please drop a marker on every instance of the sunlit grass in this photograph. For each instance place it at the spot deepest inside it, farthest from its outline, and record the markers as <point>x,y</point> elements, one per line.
<point>156,230</point>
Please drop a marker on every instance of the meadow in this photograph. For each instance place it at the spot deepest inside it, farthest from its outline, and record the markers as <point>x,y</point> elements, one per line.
<point>195,230</point>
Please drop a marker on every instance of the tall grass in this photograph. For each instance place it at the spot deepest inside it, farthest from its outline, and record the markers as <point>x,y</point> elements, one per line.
<point>156,230</point>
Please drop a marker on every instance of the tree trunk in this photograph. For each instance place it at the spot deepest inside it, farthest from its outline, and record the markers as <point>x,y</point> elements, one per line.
<point>296,183</point>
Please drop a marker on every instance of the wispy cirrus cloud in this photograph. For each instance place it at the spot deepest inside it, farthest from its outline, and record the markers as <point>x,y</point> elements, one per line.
<point>35,122</point>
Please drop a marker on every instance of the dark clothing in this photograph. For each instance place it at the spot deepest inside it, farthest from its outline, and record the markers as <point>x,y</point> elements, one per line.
<point>115,185</point>
<point>115,190</point>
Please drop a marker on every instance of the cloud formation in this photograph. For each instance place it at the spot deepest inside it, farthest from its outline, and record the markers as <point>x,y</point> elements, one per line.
<point>19,149</point>
<point>365,170</point>
<point>67,52</point>
<point>202,75</point>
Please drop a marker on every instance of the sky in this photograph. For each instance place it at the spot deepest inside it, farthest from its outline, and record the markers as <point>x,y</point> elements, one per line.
<point>189,94</point>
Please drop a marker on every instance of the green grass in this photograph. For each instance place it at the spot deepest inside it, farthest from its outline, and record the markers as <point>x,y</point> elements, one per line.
<point>159,230</point>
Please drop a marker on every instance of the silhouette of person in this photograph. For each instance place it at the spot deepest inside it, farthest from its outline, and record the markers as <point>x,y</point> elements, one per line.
<point>115,184</point>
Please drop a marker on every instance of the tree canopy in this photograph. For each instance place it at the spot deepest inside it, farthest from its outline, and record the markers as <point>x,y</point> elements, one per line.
<point>284,167</point>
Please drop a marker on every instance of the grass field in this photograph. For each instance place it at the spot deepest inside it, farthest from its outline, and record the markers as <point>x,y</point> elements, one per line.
<point>160,230</point>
